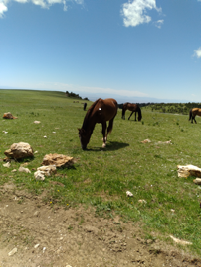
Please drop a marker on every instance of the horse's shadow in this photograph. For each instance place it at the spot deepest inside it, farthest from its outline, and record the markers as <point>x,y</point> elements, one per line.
<point>110,146</point>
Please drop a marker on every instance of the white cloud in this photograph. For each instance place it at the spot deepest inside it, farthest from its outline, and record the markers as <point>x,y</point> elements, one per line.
<point>134,12</point>
<point>197,53</point>
<point>42,3</point>
<point>80,2</point>
<point>159,23</point>
<point>57,86</point>
<point>3,8</point>
<point>21,1</point>
<point>111,91</point>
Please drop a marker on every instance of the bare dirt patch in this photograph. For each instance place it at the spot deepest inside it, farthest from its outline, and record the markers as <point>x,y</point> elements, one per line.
<point>52,236</point>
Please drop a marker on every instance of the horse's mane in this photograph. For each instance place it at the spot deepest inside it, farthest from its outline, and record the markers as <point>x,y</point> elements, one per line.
<point>89,112</point>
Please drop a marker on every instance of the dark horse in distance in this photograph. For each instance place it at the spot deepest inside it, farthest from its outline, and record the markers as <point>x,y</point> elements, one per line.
<point>100,112</point>
<point>193,112</point>
<point>133,108</point>
<point>85,106</point>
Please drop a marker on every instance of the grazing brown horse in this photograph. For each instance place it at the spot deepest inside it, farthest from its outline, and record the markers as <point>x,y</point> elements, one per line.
<point>100,112</point>
<point>132,107</point>
<point>193,112</point>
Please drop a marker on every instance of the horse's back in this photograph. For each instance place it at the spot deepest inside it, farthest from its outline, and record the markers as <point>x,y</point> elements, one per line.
<point>132,107</point>
<point>196,111</point>
<point>110,102</point>
<point>107,107</point>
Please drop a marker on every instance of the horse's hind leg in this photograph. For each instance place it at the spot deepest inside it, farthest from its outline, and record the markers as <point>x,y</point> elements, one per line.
<point>123,114</point>
<point>109,130</point>
<point>195,120</point>
<point>130,115</point>
<point>103,133</point>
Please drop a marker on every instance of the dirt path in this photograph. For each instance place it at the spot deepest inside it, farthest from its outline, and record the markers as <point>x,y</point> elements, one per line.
<point>75,237</point>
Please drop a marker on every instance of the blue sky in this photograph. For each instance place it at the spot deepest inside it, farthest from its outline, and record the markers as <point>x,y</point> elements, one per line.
<point>111,48</point>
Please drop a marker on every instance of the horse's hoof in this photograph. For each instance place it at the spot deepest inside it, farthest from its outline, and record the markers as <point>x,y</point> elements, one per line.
<point>103,145</point>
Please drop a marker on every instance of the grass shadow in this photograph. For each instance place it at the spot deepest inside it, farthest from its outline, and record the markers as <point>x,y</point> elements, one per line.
<point>24,160</point>
<point>110,146</point>
<point>114,145</point>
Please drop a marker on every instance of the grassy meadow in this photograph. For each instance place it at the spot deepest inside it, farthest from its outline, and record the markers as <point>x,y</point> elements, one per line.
<point>101,177</point>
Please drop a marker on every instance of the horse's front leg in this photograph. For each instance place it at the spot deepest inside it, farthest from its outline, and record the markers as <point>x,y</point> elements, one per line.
<point>130,115</point>
<point>135,115</point>
<point>103,133</point>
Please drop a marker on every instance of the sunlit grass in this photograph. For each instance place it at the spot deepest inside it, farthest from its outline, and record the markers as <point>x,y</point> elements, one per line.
<point>101,177</point>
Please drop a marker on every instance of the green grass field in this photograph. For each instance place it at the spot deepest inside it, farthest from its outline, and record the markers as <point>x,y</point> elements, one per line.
<point>101,177</point>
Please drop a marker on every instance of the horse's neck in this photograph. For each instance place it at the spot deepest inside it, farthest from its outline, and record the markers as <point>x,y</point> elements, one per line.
<point>90,124</point>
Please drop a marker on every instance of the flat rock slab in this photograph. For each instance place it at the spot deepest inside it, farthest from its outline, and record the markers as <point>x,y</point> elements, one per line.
<point>59,160</point>
<point>188,170</point>
<point>8,115</point>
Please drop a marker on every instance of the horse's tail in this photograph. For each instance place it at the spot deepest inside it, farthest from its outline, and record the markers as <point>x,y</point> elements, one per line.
<point>110,126</point>
<point>139,114</point>
<point>190,114</point>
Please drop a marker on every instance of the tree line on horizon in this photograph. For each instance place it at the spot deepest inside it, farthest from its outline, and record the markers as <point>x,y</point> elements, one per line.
<point>73,95</point>
<point>181,108</point>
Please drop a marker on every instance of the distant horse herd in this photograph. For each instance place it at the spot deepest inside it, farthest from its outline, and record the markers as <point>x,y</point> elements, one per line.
<point>106,110</point>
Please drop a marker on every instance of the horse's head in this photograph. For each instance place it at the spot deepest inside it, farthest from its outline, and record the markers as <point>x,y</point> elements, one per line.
<point>84,138</point>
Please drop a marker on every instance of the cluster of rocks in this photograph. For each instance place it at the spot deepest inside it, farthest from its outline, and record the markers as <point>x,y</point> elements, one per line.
<point>49,165</point>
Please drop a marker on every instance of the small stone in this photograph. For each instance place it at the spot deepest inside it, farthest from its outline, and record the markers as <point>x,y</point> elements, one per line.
<point>7,165</point>
<point>142,201</point>
<point>12,252</point>
<point>146,141</point>
<point>22,169</point>
<point>197,181</point>
<point>47,170</point>
<point>37,213</point>
<point>179,241</point>
<point>129,194</point>
<point>39,175</point>
<point>37,245</point>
